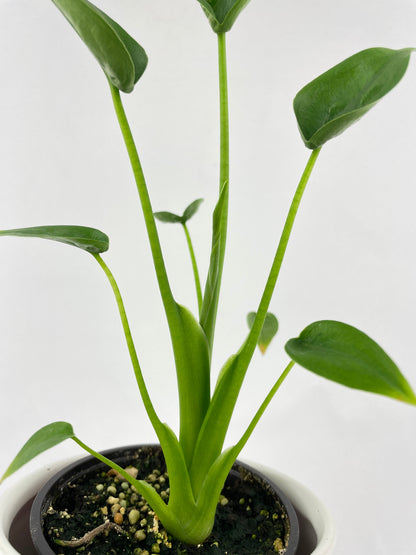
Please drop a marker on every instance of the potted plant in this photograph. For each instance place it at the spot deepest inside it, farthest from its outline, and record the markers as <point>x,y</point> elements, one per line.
<point>196,460</point>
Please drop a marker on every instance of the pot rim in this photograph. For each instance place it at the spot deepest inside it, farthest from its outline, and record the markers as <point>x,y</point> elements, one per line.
<point>307,505</point>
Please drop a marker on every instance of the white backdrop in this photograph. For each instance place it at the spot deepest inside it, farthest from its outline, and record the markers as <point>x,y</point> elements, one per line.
<point>351,256</point>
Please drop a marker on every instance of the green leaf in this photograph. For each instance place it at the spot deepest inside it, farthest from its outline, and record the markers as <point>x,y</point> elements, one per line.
<point>268,331</point>
<point>339,97</point>
<point>214,481</point>
<point>122,59</point>
<point>191,210</point>
<point>222,13</point>
<point>193,373</point>
<point>43,439</point>
<point>212,286</point>
<point>343,354</point>
<point>215,426</point>
<point>85,238</point>
<point>168,217</point>
<point>171,218</point>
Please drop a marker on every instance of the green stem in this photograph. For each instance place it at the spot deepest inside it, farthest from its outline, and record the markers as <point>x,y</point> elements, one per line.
<point>224,117</point>
<point>145,489</point>
<point>189,344</point>
<point>218,471</point>
<point>215,426</point>
<point>220,224</point>
<point>250,344</point>
<point>194,267</point>
<point>162,278</point>
<point>239,446</point>
<point>224,149</point>
<point>154,419</point>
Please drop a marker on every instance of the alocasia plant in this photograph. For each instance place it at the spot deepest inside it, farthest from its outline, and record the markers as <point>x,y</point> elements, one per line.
<point>196,459</point>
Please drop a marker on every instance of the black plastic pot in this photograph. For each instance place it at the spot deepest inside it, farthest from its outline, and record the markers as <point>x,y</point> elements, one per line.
<point>123,456</point>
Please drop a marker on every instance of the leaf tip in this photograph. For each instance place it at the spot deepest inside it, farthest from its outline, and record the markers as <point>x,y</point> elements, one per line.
<point>409,398</point>
<point>263,348</point>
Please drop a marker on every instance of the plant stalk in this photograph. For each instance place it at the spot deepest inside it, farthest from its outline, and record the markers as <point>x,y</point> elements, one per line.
<point>211,296</point>
<point>224,112</point>
<point>224,148</point>
<point>145,489</point>
<point>250,344</point>
<point>239,446</point>
<point>214,429</point>
<point>194,267</point>
<point>162,278</point>
<point>154,419</point>
<point>189,343</point>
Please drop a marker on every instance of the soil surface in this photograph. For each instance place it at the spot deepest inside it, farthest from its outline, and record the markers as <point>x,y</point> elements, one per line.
<point>250,519</point>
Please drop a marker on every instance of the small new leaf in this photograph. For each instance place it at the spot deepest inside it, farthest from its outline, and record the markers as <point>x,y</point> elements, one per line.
<point>268,331</point>
<point>168,217</point>
<point>339,97</point>
<point>344,354</point>
<point>43,439</point>
<point>171,218</point>
<point>85,238</point>
<point>122,59</point>
<point>222,13</point>
<point>191,210</point>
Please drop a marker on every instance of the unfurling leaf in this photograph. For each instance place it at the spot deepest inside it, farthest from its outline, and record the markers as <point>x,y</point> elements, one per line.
<point>85,238</point>
<point>268,331</point>
<point>43,439</point>
<point>193,373</point>
<point>222,13</point>
<point>122,59</point>
<point>339,97</point>
<point>344,354</point>
<point>212,286</point>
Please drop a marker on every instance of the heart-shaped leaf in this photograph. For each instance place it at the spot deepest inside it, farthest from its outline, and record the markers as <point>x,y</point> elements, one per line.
<point>85,238</point>
<point>339,97</point>
<point>122,59</point>
<point>43,439</point>
<point>222,13</point>
<point>268,331</point>
<point>171,218</point>
<point>343,354</point>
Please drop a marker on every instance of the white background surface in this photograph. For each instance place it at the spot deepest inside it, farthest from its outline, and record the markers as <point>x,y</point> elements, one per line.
<point>351,256</point>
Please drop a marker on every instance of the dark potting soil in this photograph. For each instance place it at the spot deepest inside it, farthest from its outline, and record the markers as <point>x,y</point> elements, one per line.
<point>250,520</point>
